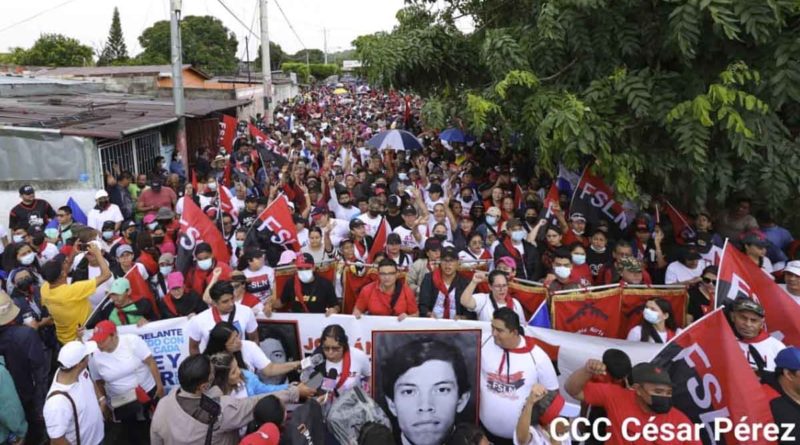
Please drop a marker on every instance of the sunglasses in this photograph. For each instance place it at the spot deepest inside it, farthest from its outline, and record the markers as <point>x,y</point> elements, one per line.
<point>709,281</point>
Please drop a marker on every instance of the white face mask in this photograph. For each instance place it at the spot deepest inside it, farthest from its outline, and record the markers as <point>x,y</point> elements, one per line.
<point>598,250</point>
<point>27,260</point>
<point>651,316</point>
<point>402,176</point>
<point>152,225</point>
<point>306,276</point>
<point>518,235</point>
<point>18,238</point>
<point>578,259</point>
<point>205,264</point>
<point>108,234</point>
<point>562,272</point>
<point>491,220</point>
<point>212,186</point>
<point>165,270</point>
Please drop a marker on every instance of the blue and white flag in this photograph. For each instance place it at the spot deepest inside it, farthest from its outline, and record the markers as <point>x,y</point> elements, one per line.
<point>541,318</point>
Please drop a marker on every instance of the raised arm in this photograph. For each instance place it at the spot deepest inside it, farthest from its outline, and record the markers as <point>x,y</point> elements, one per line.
<point>467,300</point>
<point>578,380</point>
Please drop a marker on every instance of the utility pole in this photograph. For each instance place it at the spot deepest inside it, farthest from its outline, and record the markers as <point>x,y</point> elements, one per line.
<point>266,67</point>
<point>325,44</point>
<point>247,51</point>
<point>177,81</point>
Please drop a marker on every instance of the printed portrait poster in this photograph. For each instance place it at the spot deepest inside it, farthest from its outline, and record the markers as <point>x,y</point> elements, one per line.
<point>280,341</point>
<point>426,381</point>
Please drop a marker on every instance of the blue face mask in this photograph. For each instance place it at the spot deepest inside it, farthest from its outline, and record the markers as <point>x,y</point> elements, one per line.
<point>491,220</point>
<point>518,235</point>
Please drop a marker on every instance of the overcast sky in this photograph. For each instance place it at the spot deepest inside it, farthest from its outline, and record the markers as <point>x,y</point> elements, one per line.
<point>89,20</point>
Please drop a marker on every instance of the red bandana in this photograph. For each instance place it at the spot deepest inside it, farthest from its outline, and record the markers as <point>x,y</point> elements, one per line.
<point>438,282</point>
<point>298,294</point>
<point>511,249</point>
<point>345,370</point>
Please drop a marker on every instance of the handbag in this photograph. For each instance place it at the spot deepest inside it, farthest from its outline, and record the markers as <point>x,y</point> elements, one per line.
<point>74,413</point>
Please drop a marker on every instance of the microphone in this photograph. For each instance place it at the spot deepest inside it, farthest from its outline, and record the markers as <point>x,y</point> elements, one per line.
<point>312,362</point>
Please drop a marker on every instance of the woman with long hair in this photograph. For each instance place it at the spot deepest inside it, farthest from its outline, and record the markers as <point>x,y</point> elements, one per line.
<point>658,323</point>
<point>346,367</point>
<point>233,380</point>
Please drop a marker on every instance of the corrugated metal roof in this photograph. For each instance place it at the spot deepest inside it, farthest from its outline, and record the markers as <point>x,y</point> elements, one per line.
<point>99,71</point>
<point>102,115</point>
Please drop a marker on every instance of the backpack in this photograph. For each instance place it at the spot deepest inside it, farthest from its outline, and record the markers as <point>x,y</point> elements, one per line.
<point>305,426</point>
<point>350,411</point>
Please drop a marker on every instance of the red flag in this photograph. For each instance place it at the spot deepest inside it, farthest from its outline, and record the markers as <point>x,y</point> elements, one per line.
<point>550,200</point>
<point>739,276</point>
<point>226,175</point>
<point>195,228</point>
<point>595,200</point>
<point>634,299</point>
<point>518,195</point>
<point>588,313</point>
<point>352,284</point>
<point>227,132</point>
<point>379,242</point>
<point>711,379</point>
<point>225,203</point>
<point>530,297</point>
<point>140,289</point>
<point>277,218</point>
<point>680,224</point>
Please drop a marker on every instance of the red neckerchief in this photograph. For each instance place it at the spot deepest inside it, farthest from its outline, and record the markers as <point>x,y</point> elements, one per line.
<point>361,249</point>
<point>530,342</point>
<point>438,282</point>
<point>345,370</point>
<point>123,318</point>
<point>763,335</point>
<point>670,334</point>
<point>168,301</point>
<point>218,317</point>
<point>298,294</point>
<point>42,246</point>
<point>511,249</point>
<point>509,301</point>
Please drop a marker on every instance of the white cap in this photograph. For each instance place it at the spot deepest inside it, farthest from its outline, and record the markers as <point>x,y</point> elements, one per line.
<point>793,267</point>
<point>101,194</point>
<point>73,352</point>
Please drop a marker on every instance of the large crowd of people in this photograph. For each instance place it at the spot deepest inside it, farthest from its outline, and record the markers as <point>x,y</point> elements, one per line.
<point>450,206</point>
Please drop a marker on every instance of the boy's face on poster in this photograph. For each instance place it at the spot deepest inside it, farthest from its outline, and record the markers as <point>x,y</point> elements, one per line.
<point>426,402</point>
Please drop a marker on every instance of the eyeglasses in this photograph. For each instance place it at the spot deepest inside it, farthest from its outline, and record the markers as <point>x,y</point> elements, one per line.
<point>709,281</point>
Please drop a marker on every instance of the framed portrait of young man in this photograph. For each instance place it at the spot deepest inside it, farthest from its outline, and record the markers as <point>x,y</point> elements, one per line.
<point>427,382</point>
<point>280,341</point>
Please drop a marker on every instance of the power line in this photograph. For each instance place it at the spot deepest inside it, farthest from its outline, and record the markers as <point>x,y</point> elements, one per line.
<point>36,15</point>
<point>238,19</point>
<point>290,25</point>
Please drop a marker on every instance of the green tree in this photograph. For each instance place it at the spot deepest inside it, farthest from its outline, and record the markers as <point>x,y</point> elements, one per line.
<point>115,52</point>
<point>276,57</point>
<point>54,50</point>
<point>314,56</point>
<point>207,44</point>
<point>694,98</point>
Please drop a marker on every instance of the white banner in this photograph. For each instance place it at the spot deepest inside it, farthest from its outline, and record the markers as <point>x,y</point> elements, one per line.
<point>167,339</point>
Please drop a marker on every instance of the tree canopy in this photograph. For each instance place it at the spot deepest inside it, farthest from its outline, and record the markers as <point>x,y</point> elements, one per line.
<point>207,44</point>
<point>694,98</point>
<point>276,57</point>
<point>54,50</point>
<point>115,51</point>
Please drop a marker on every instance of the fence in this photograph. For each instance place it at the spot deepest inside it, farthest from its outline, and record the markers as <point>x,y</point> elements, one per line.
<point>135,154</point>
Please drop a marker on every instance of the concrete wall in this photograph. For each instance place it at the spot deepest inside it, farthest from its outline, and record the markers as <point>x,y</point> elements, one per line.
<point>56,198</point>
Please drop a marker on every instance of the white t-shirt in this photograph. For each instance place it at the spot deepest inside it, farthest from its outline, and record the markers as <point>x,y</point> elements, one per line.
<point>60,419</point>
<point>438,306</point>
<point>123,369</point>
<point>677,272</point>
<point>485,309</point>
<point>302,237</point>
<point>254,357</point>
<point>360,369</point>
<point>261,282</point>
<point>50,251</point>
<point>96,218</point>
<point>200,325</point>
<point>767,348</point>
<point>635,334</point>
<point>371,224</point>
<point>407,239</point>
<point>504,391</point>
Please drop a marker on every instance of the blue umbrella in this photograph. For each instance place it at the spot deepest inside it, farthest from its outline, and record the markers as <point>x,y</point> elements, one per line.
<point>453,135</point>
<point>397,140</point>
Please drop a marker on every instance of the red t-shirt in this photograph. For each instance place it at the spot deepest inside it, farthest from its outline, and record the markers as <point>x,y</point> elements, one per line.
<point>197,279</point>
<point>373,301</point>
<point>571,238</point>
<point>620,404</point>
<point>165,198</point>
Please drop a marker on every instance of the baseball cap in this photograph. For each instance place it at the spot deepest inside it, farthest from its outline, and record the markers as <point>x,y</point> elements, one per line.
<point>100,194</point>
<point>103,330</point>
<point>747,304</point>
<point>166,258</point>
<point>268,434</point>
<point>127,224</point>
<point>165,213</point>
<point>755,239</point>
<point>149,218</point>
<point>155,183</point>
<point>8,310</point>
<point>703,242</point>
<point>449,253</point>
<point>304,260</point>
<point>26,190</point>
<point>409,210</point>
<point>641,225</point>
<point>108,225</point>
<point>650,373</point>
<point>119,286</point>
<point>577,217</point>
<point>793,267</point>
<point>630,264</point>
<point>73,352</point>
<point>788,358</point>
<point>174,280</point>
<point>393,238</point>
<point>123,249</point>
<point>508,261</point>
<point>355,222</point>
<point>432,244</point>
<point>493,211</point>
<point>394,202</point>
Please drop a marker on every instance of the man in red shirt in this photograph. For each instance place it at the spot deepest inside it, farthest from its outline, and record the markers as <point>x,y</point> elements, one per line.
<point>155,198</point>
<point>648,401</point>
<point>198,277</point>
<point>387,296</point>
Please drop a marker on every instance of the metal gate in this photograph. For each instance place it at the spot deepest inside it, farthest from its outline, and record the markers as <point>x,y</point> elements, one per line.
<point>135,154</point>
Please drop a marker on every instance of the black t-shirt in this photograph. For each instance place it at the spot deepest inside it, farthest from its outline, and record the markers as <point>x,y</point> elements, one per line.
<point>319,295</point>
<point>394,221</point>
<point>696,303</point>
<point>37,214</point>
<point>189,303</point>
<point>784,409</point>
<point>595,260</point>
<point>246,219</point>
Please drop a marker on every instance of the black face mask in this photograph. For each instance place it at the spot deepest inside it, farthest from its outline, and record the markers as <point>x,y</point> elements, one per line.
<point>345,204</point>
<point>132,235</point>
<point>158,239</point>
<point>660,404</point>
<point>532,220</point>
<point>26,283</point>
<point>440,237</point>
<point>466,198</point>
